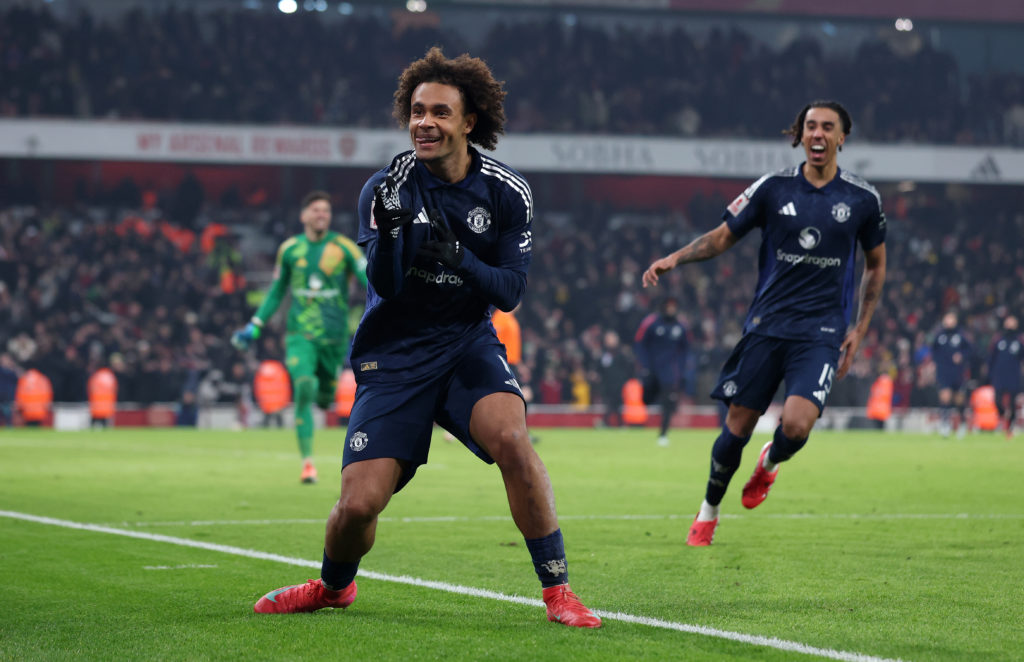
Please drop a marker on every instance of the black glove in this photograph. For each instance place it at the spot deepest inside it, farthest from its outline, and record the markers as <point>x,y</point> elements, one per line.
<point>388,213</point>
<point>446,249</point>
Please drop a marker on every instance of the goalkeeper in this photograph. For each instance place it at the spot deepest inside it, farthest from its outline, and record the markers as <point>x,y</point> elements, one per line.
<point>317,267</point>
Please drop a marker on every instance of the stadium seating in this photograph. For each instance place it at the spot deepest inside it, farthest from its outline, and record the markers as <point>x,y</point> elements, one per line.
<point>663,76</point>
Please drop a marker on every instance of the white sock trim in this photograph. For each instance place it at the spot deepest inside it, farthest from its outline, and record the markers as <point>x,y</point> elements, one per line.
<point>708,512</point>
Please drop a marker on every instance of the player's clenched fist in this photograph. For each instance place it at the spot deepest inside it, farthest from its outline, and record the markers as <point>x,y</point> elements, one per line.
<point>388,213</point>
<point>446,249</point>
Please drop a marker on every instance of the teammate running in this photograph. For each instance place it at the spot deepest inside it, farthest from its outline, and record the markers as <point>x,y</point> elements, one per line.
<point>811,217</point>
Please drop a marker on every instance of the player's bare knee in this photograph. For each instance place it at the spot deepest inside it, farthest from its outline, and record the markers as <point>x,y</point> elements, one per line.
<point>797,429</point>
<point>741,424</point>
<point>358,509</point>
<point>510,446</point>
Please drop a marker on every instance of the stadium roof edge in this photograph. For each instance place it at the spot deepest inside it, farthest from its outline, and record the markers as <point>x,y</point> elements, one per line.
<point>980,11</point>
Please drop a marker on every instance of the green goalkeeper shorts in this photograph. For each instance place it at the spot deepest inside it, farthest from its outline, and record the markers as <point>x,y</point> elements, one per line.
<point>306,358</point>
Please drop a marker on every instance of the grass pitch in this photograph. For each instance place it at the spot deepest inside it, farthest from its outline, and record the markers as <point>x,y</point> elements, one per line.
<point>154,544</point>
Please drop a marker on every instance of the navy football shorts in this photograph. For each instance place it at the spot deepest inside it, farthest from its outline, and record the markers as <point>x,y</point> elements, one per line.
<point>758,364</point>
<point>952,379</point>
<point>396,419</point>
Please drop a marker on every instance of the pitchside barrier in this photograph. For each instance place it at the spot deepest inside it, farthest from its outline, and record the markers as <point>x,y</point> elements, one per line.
<point>75,416</point>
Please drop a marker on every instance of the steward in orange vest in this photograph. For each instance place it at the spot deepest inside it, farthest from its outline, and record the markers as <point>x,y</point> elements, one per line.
<point>983,406</point>
<point>273,390</point>
<point>345,395</point>
<point>880,399</point>
<point>507,327</point>
<point>33,397</point>
<point>634,411</point>
<point>102,389</point>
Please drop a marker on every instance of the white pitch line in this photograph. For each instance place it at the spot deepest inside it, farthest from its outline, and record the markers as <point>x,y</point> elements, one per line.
<point>754,640</point>
<point>507,518</point>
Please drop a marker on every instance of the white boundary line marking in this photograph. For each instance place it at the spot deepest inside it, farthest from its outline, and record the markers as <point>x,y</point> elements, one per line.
<point>508,518</point>
<point>754,640</point>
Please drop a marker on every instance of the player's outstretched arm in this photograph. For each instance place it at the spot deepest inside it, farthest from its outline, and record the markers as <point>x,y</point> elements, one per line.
<point>243,337</point>
<point>708,245</point>
<point>870,292</point>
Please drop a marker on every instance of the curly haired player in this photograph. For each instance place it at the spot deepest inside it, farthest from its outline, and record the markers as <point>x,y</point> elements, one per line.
<point>447,234</point>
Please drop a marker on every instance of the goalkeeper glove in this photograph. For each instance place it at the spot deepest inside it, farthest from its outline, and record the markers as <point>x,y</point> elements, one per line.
<point>388,213</point>
<point>242,338</point>
<point>446,249</point>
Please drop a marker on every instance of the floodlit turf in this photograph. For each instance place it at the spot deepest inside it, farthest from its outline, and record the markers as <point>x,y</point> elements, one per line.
<point>875,545</point>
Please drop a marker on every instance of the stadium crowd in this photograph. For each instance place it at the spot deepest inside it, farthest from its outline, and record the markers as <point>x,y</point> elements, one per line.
<point>596,77</point>
<point>114,283</point>
<point>86,287</point>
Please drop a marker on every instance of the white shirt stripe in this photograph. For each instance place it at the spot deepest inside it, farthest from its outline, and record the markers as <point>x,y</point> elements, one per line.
<point>519,184</point>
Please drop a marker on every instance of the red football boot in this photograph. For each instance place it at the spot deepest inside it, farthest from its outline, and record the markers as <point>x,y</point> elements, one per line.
<point>566,608</point>
<point>756,489</point>
<point>701,533</point>
<point>304,597</point>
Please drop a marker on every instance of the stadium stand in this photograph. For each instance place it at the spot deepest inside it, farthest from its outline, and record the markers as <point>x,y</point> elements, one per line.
<point>122,277</point>
<point>668,75</point>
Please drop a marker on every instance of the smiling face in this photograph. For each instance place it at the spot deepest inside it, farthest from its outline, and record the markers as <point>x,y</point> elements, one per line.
<point>316,218</point>
<point>822,137</point>
<point>439,126</point>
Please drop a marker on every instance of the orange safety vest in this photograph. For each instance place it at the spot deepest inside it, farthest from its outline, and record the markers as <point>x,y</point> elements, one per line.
<point>272,387</point>
<point>102,389</point>
<point>983,404</point>
<point>34,395</point>
<point>634,411</point>
<point>880,399</point>
<point>345,395</point>
<point>209,236</point>
<point>509,334</point>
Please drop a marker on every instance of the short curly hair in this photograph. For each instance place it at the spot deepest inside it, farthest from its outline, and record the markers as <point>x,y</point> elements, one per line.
<point>797,129</point>
<point>481,93</point>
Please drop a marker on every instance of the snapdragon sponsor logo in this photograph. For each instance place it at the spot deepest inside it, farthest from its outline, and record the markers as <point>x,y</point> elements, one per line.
<point>813,260</point>
<point>443,278</point>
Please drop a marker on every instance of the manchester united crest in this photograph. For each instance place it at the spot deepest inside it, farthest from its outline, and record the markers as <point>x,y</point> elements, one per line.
<point>358,441</point>
<point>479,220</point>
<point>841,212</point>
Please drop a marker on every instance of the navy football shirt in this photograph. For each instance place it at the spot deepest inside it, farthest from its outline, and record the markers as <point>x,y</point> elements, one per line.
<point>1004,362</point>
<point>434,312</point>
<point>951,352</point>
<point>661,344</point>
<point>809,238</point>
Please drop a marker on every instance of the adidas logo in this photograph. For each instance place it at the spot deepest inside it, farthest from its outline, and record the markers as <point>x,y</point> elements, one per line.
<point>821,395</point>
<point>789,209</point>
<point>987,169</point>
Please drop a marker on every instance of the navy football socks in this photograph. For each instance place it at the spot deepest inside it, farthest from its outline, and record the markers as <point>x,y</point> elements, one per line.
<point>725,460</point>
<point>337,575</point>
<point>783,447</point>
<point>548,555</point>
